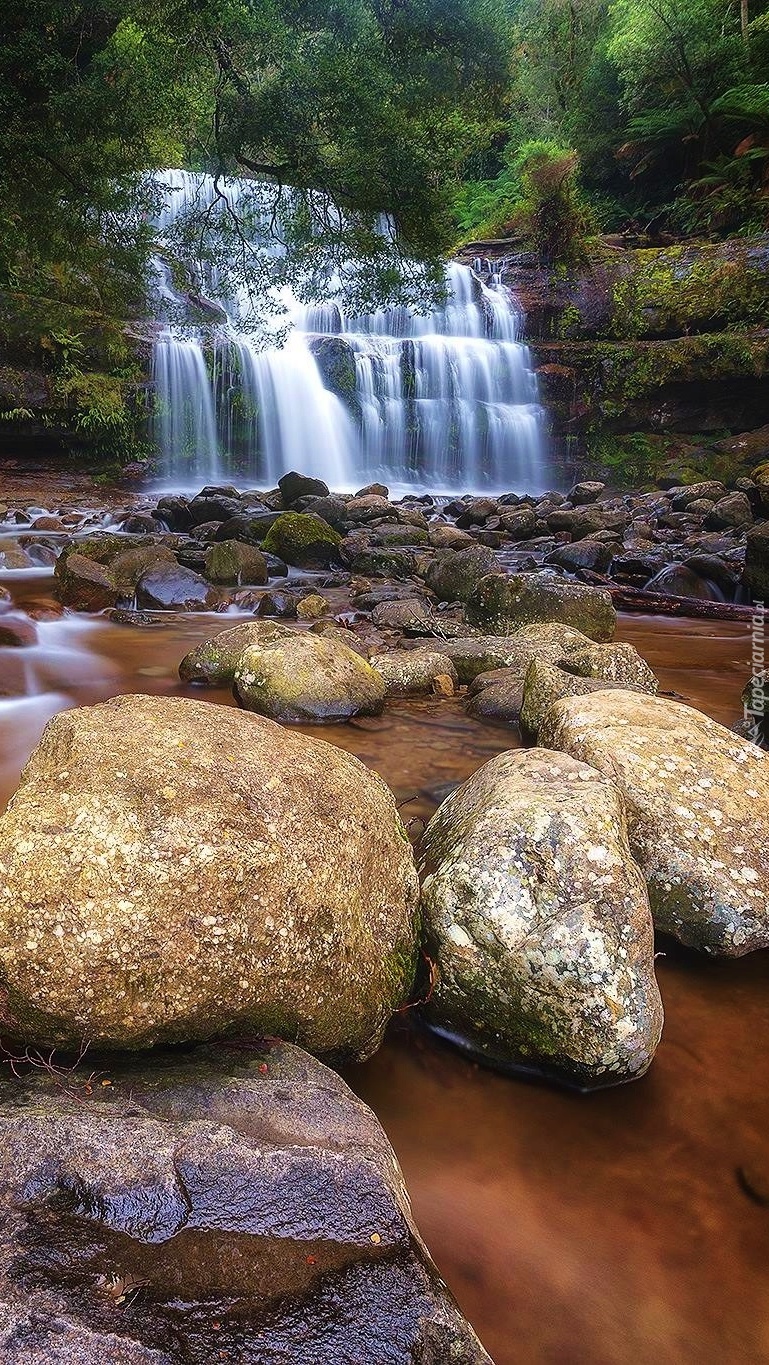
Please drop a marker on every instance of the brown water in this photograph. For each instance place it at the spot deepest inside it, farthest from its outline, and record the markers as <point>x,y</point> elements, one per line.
<point>609,1228</point>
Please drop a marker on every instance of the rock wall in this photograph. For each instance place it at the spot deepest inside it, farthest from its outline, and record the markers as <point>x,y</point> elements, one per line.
<point>647,357</point>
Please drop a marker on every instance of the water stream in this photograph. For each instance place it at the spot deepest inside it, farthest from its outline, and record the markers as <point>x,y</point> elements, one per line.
<point>574,1230</point>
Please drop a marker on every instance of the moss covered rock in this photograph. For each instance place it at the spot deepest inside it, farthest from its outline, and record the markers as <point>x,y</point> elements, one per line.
<point>502,603</point>
<point>307,679</point>
<point>231,561</point>
<point>415,672</point>
<point>697,800</point>
<point>302,539</point>
<point>539,922</point>
<point>213,663</point>
<point>172,870</point>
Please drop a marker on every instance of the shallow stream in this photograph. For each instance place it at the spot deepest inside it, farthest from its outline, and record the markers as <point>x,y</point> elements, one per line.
<point>621,1226</point>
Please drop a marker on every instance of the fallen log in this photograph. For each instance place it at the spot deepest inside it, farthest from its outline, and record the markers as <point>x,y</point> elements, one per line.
<point>660,604</point>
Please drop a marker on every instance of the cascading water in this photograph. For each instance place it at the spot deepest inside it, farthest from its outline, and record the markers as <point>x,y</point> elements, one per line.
<point>445,401</point>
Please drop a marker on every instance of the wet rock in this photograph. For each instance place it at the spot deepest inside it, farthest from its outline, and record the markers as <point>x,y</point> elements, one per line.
<point>251,1197</point>
<point>445,537</point>
<point>174,871</point>
<point>715,570</point>
<point>372,537</point>
<point>585,492</point>
<point>453,574</point>
<point>503,604</point>
<point>312,607</point>
<point>545,684</point>
<point>127,568</point>
<point>12,556</point>
<point>170,587</point>
<point>174,512</point>
<point>84,584</point>
<point>306,679</point>
<point>213,508</point>
<point>399,615</point>
<point>581,522</point>
<point>303,539</point>
<point>539,922</point>
<point>375,490</point>
<point>682,497</point>
<point>16,630</point>
<point>277,603</point>
<point>250,527</point>
<point>476,512</point>
<point>756,572</point>
<point>416,672</point>
<point>294,486</point>
<point>213,663</point>
<point>733,510</point>
<point>47,523</point>
<point>697,800</point>
<point>497,696</point>
<point>519,523</point>
<point>382,563</point>
<point>584,554</point>
<point>229,561</point>
<point>676,580</point>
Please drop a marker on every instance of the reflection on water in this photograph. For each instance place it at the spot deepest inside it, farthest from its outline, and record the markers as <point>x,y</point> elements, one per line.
<point>575,1230</point>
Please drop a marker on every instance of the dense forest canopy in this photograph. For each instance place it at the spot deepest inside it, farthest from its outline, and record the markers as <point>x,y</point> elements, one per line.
<point>665,103</point>
<point>372,104</point>
<point>550,119</point>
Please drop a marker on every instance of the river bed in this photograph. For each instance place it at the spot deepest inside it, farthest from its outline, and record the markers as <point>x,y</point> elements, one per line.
<point>605,1228</point>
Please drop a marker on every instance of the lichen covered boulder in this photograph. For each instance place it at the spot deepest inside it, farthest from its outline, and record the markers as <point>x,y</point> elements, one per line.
<point>539,922</point>
<point>502,603</point>
<point>214,662</point>
<point>308,679</point>
<point>303,539</point>
<point>241,1205</point>
<point>697,800</point>
<point>172,870</point>
<point>231,561</point>
<point>415,672</point>
<point>546,684</point>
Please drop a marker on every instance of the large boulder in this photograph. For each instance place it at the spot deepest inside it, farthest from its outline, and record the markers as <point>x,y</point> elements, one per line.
<point>539,922</point>
<point>172,870</point>
<point>453,574</point>
<point>545,684</point>
<point>241,1207</point>
<point>618,662</point>
<point>503,603</point>
<point>697,801</point>
<point>415,672</point>
<point>304,540</point>
<point>171,587</point>
<point>308,679</point>
<point>213,663</point>
<point>231,561</point>
<point>756,573</point>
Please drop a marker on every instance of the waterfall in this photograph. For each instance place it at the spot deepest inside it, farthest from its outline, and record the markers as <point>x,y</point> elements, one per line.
<point>445,400</point>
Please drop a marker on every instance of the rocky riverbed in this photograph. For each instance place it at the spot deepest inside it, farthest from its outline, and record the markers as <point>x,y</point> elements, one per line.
<point>165,860</point>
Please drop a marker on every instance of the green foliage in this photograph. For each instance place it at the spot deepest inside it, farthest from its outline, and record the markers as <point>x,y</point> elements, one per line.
<point>371,105</point>
<point>537,198</point>
<point>551,212</point>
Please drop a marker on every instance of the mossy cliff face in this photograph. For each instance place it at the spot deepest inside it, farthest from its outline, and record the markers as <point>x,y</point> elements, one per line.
<point>673,340</point>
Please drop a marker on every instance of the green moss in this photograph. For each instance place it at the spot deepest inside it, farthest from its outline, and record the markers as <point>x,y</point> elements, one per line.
<point>689,289</point>
<point>302,539</point>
